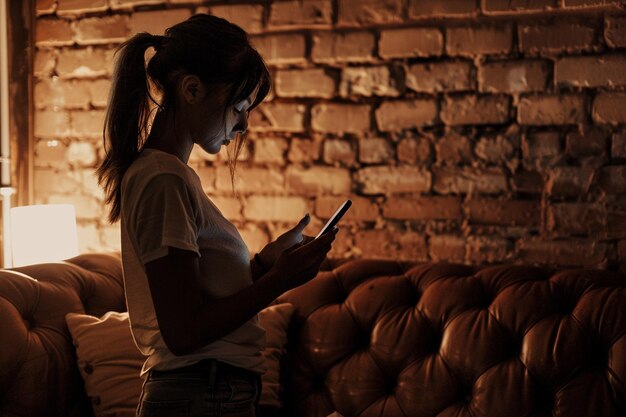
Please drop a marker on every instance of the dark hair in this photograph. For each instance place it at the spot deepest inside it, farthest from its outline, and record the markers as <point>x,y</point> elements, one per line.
<point>215,50</point>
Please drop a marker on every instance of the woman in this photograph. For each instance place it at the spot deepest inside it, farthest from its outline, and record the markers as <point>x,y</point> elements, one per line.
<point>191,290</point>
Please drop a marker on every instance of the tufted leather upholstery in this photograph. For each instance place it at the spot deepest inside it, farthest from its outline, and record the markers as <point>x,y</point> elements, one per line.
<point>369,338</point>
<point>38,371</point>
<point>382,338</point>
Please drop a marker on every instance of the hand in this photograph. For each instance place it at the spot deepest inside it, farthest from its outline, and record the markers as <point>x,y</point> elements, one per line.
<point>270,253</point>
<point>301,263</point>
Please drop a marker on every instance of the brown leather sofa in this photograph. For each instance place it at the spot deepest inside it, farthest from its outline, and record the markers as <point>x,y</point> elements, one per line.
<point>369,338</point>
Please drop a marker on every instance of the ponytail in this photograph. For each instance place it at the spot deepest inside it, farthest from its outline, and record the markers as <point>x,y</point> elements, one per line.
<point>126,121</point>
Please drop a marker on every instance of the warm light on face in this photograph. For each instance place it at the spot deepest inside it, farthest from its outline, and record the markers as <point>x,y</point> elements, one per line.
<point>43,233</point>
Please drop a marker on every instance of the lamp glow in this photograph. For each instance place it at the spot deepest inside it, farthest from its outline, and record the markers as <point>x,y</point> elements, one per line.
<point>43,233</point>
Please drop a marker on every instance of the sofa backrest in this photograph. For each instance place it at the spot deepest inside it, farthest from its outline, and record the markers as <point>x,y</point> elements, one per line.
<point>38,368</point>
<point>384,338</point>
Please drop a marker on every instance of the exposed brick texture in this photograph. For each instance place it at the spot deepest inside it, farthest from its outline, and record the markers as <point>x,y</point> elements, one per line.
<point>479,40</point>
<point>560,35</point>
<point>466,131</point>
<point>410,42</point>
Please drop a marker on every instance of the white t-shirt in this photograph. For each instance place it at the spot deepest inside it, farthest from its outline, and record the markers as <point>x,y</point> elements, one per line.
<point>164,205</point>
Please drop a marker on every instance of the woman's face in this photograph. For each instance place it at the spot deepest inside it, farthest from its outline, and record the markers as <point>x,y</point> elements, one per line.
<point>214,134</point>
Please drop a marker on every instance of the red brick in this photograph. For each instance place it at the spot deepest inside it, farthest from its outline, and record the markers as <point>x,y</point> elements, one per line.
<point>482,250</point>
<point>615,31</point>
<point>375,150</point>
<point>355,12</point>
<point>541,145</point>
<point>570,252</point>
<point>591,71</point>
<point>527,182</point>
<point>410,42</point>
<point>562,109</point>
<point>73,7</point>
<point>569,219</point>
<point>304,150</point>
<point>337,118</point>
<point>618,145</point>
<point>249,17</point>
<point>514,76</point>
<point>391,244</point>
<point>440,76</point>
<point>51,31</point>
<point>390,180</point>
<point>406,114</point>
<point>57,94</point>
<point>157,21</point>
<point>102,30</point>
<point>613,179</point>
<point>569,181</point>
<point>338,151</point>
<point>279,49</point>
<point>485,40</point>
<point>310,12</point>
<point>87,123</point>
<point>609,108</point>
<point>259,180</point>
<point>498,150</point>
<point>453,149</point>
<point>270,151</point>
<point>50,153</point>
<point>313,82</point>
<point>51,124</point>
<point>329,47</point>
<point>272,116</point>
<point>84,62</point>
<point>469,180</point>
<point>475,110</point>
<point>319,180</point>
<point>616,225</point>
<point>45,61</point>
<point>81,154</point>
<point>45,6</point>
<point>589,142</point>
<point>362,209</point>
<point>574,3</point>
<point>446,248</point>
<point>369,81</point>
<point>559,36</point>
<point>279,209</point>
<point>504,212</point>
<point>519,5</point>
<point>423,208</point>
<point>230,207</point>
<point>130,4</point>
<point>51,181</point>
<point>437,8</point>
<point>99,92</point>
<point>413,151</point>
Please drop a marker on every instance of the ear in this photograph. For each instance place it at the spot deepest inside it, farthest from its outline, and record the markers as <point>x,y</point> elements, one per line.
<point>192,89</point>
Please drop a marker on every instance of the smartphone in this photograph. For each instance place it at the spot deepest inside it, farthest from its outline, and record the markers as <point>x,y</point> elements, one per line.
<point>334,219</point>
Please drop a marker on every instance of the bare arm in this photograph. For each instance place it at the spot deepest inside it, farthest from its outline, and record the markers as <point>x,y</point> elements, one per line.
<point>189,319</point>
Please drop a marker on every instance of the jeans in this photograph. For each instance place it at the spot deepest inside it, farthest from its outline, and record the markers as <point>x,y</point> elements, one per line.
<point>208,388</point>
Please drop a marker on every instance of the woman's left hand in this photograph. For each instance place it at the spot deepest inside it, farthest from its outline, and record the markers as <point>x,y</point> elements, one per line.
<point>270,253</point>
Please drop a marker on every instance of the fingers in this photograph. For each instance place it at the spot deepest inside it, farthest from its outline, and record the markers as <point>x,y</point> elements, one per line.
<point>302,223</point>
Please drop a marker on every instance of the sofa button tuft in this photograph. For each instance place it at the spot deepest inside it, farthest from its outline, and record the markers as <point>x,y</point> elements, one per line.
<point>88,369</point>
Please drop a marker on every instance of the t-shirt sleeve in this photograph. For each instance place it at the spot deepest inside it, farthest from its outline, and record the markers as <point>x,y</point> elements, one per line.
<point>163,217</point>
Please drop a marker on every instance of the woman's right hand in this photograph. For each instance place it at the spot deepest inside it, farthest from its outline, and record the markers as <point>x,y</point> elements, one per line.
<point>301,262</point>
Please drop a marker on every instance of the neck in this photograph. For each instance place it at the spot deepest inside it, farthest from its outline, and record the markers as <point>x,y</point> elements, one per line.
<point>165,136</point>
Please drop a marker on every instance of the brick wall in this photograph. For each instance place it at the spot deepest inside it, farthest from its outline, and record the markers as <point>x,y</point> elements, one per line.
<point>470,131</point>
